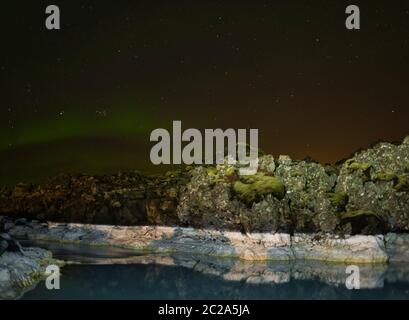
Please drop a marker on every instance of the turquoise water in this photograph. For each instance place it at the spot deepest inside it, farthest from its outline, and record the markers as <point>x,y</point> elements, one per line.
<point>163,282</point>
<point>120,274</point>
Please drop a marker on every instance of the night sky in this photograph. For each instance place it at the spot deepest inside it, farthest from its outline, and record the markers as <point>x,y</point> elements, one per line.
<point>85,98</point>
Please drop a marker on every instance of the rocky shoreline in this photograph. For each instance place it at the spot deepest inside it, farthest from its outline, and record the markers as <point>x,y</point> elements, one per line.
<point>366,194</point>
<point>254,258</point>
<point>359,249</point>
<point>356,211</point>
<point>22,271</point>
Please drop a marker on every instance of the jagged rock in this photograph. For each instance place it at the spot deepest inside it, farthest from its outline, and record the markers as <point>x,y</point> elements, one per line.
<point>309,188</point>
<point>366,194</point>
<point>7,243</point>
<point>125,199</point>
<point>269,215</point>
<point>20,272</point>
<point>284,160</point>
<point>375,181</point>
<point>214,198</point>
<point>207,201</point>
<point>266,164</point>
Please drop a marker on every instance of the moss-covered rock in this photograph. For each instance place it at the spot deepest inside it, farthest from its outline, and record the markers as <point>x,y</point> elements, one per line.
<point>352,165</point>
<point>360,213</point>
<point>231,171</point>
<point>402,184</point>
<point>307,185</point>
<point>267,164</point>
<point>21,271</point>
<point>339,200</point>
<point>268,215</point>
<point>207,202</point>
<point>251,188</point>
<point>384,176</point>
<point>287,195</point>
<point>384,191</point>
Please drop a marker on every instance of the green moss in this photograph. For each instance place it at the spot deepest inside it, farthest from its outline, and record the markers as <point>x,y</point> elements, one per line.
<point>36,275</point>
<point>338,199</point>
<point>212,171</point>
<point>49,261</point>
<point>360,213</point>
<point>296,173</point>
<point>354,166</point>
<point>171,174</point>
<point>26,282</point>
<point>252,187</point>
<point>402,183</point>
<point>230,171</point>
<point>384,176</point>
<point>215,175</point>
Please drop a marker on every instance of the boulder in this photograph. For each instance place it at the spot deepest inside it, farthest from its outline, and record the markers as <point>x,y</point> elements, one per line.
<point>376,182</point>
<point>20,272</point>
<point>309,195</point>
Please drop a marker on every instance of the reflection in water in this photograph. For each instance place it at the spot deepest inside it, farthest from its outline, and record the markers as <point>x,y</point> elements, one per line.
<point>107,273</point>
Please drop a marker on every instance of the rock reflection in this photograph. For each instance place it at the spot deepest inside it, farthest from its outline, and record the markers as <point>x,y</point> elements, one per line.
<point>230,269</point>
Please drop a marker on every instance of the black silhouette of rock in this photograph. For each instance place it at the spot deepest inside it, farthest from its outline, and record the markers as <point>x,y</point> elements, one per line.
<point>7,243</point>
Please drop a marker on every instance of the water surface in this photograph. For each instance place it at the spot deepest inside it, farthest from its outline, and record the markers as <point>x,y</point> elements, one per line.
<point>107,273</point>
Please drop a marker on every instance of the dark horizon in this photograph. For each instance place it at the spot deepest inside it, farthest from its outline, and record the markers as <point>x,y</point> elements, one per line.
<point>85,98</point>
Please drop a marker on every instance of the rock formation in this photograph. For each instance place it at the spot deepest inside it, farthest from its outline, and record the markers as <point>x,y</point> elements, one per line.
<point>366,194</point>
